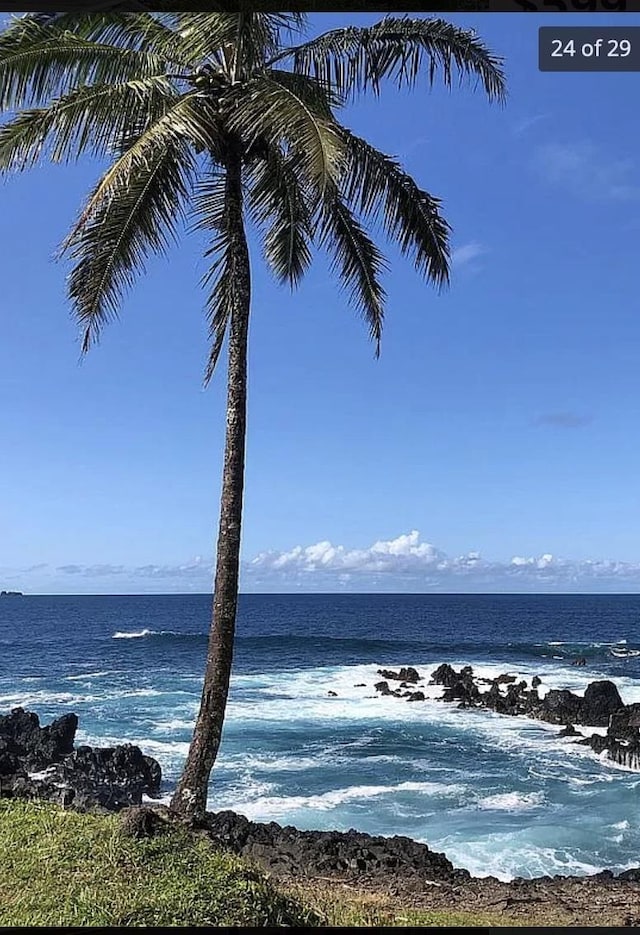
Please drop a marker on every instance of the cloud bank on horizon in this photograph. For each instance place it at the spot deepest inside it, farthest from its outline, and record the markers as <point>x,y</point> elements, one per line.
<point>405,563</point>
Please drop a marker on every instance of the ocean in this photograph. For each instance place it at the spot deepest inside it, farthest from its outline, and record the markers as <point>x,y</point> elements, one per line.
<point>499,795</point>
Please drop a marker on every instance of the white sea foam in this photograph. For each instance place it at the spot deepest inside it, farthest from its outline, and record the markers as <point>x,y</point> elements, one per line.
<point>302,696</point>
<point>507,855</point>
<point>91,675</point>
<point>171,725</point>
<point>512,801</point>
<point>133,634</point>
<point>39,698</point>
<point>273,807</point>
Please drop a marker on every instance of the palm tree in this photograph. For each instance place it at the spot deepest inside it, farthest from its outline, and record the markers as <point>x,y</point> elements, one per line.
<point>225,119</point>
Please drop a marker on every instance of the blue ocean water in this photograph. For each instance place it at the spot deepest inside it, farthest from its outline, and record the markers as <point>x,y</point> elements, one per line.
<point>498,795</point>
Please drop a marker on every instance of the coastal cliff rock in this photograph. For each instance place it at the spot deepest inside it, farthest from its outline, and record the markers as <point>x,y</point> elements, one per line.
<point>23,743</point>
<point>41,763</point>
<point>286,851</point>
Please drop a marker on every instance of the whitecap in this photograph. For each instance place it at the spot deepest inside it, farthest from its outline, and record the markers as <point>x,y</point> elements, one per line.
<point>511,801</point>
<point>133,634</point>
<point>91,675</point>
<point>173,724</point>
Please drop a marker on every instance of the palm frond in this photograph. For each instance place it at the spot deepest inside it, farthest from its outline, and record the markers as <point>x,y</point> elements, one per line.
<point>251,37</point>
<point>357,58</point>
<point>265,108</point>
<point>140,31</point>
<point>279,202</point>
<point>134,211</point>
<point>357,261</point>
<point>94,118</point>
<point>190,121</point>
<point>35,69</point>
<point>376,184</point>
<point>315,94</point>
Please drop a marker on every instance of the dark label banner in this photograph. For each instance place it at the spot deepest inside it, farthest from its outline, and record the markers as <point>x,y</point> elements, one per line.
<point>342,6</point>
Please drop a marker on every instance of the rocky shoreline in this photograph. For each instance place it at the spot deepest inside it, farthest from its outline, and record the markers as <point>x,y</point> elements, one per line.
<point>42,763</point>
<point>405,873</point>
<point>601,705</point>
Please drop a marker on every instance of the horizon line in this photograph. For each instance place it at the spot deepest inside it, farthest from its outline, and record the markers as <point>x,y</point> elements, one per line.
<point>335,594</point>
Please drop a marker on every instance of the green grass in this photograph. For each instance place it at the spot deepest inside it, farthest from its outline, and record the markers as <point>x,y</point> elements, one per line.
<point>61,868</point>
<point>66,869</point>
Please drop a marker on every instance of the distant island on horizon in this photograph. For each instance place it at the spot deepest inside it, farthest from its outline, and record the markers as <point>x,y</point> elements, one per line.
<point>11,594</point>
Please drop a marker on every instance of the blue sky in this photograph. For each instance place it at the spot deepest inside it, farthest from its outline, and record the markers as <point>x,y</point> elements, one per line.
<point>494,445</point>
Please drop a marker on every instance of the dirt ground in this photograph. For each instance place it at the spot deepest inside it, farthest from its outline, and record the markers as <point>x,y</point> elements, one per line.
<point>545,901</point>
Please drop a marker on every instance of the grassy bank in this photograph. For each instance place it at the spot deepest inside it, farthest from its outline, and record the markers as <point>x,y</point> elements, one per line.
<point>65,869</point>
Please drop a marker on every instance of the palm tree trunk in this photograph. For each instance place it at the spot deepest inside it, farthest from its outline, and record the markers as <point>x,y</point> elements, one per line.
<point>190,797</point>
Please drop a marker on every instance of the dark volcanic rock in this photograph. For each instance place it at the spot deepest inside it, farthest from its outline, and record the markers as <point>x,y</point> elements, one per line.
<point>601,706</point>
<point>560,706</point>
<point>41,763</point>
<point>569,731</point>
<point>383,688</point>
<point>624,752</point>
<point>597,742</point>
<point>624,723</point>
<point>601,700</point>
<point>416,696</point>
<point>408,674</point>
<point>114,777</point>
<point>23,741</point>
<point>504,679</point>
<point>515,701</point>
<point>286,851</point>
<point>445,675</point>
<point>463,689</point>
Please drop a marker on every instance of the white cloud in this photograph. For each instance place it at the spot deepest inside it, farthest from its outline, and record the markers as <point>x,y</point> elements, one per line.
<point>403,563</point>
<point>527,123</point>
<point>465,255</point>
<point>588,172</point>
<point>403,553</point>
<point>407,563</point>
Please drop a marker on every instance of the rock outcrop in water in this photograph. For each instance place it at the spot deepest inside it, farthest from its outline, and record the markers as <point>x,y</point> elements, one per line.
<point>600,706</point>
<point>404,675</point>
<point>41,763</point>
